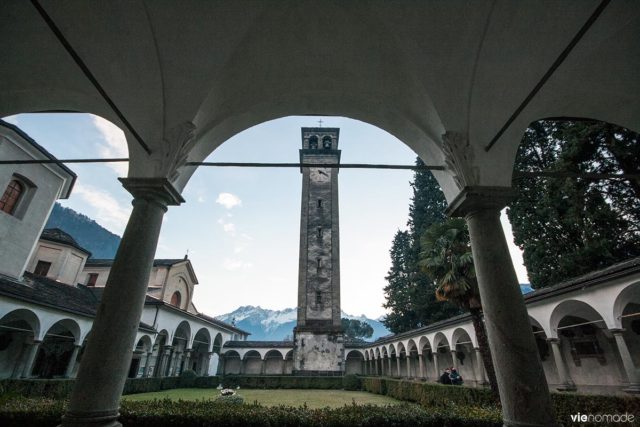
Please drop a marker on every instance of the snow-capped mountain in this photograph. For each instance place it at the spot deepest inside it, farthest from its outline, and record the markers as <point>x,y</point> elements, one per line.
<point>275,325</point>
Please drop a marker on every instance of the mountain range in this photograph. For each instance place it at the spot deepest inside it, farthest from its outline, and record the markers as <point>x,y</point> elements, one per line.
<point>89,234</point>
<point>276,325</point>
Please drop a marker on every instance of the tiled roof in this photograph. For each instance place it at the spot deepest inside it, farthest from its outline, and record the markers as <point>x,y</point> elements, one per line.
<point>258,344</point>
<point>80,300</point>
<point>59,236</point>
<point>50,293</point>
<point>620,269</point>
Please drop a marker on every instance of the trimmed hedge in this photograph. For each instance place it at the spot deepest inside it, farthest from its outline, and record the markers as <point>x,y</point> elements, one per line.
<point>442,396</point>
<point>160,413</point>
<point>61,388</point>
<point>282,381</point>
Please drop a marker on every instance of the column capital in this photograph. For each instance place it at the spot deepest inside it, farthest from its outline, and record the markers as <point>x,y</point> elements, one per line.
<point>617,331</point>
<point>153,189</point>
<point>553,340</point>
<point>478,198</point>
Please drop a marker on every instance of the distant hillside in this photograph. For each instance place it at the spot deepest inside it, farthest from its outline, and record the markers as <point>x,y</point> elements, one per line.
<point>272,325</point>
<point>89,234</point>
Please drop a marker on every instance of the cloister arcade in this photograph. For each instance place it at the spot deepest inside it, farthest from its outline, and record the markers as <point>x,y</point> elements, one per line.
<point>36,342</point>
<point>587,334</point>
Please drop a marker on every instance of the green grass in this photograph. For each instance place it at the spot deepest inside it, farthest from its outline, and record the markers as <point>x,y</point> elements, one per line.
<point>289,397</point>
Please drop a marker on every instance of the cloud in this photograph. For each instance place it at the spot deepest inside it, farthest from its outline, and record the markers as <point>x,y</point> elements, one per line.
<point>228,200</point>
<point>229,228</point>
<point>233,264</point>
<point>11,119</point>
<point>109,212</point>
<point>114,143</point>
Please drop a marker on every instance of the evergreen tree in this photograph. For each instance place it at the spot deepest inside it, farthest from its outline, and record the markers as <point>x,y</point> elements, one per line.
<point>355,330</point>
<point>411,292</point>
<point>568,226</point>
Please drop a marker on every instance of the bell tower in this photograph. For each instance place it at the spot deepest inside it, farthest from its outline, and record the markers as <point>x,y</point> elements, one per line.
<point>318,338</point>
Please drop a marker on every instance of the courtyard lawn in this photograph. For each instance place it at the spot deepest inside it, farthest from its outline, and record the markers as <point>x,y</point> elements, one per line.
<point>289,397</point>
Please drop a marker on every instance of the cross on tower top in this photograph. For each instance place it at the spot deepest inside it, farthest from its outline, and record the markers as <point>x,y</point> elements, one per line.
<point>320,122</point>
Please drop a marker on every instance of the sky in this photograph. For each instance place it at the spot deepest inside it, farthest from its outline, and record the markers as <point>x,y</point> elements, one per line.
<point>240,226</point>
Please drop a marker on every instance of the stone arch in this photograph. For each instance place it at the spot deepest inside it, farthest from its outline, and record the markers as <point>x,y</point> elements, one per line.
<point>274,363</point>
<point>21,318</point>
<point>57,349</point>
<point>160,354</point>
<point>582,344</point>
<point>217,343</point>
<point>626,312</point>
<point>252,363</point>
<point>18,331</point>
<point>181,335</point>
<point>574,308</point>
<point>630,295</point>
<point>143,344</point>
<point>232,363</point>
<point>201,346</point>
<point>354,362</point>
<point>288,362</point>
<point>540,335</point>
<point>313,142</point>
<point>464,355</point>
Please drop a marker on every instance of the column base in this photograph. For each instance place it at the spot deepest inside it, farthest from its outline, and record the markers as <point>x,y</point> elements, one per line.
<point>632,389</point>
<point>91,419</point>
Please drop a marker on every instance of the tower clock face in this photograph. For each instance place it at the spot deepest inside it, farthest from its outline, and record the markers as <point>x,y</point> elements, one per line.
<point>320,175</point>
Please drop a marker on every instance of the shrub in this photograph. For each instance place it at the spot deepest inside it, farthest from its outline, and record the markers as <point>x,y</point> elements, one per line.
<point>232,399</point>
<point>161,413</point>
<point>188,378</point>
<point>351,382</point>
<point>282,381</point>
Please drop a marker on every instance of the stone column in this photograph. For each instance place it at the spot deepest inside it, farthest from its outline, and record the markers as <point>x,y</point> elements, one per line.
<point>436,365</point>
<point>263,365</point>
<point>187,359</point>
<point>632,372</point>
<point>566,383</point>
<point>454,359</point>
<point>482,375</point>
<point>409,373</point>
<point>398,365</point>
<point>207,363</point>
<point>30,362</point>
<point>519,371</point>
<point>166,360</point>
<point>375,363</point>
<point>284,366</point>
<point>95,399</point>
<point>145,373</point>
<point>72,361</point>
<point>18,366</point>
<point>421,366</point>
<point>390,369</point>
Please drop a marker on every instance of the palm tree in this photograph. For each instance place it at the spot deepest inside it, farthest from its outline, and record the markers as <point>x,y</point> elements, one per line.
<point>446,257</point>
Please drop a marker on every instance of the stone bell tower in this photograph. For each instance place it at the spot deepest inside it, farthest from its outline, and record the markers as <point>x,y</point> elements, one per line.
<point>318,337</point>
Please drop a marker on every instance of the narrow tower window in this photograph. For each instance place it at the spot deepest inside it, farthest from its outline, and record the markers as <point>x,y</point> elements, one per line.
<point>318,298</point>
<point>326,142</point>
<point>319,203</point>
<point>319,262</point>
<point>313,143</point>
<point>319,232</point>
